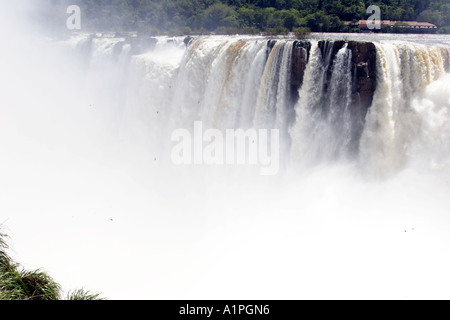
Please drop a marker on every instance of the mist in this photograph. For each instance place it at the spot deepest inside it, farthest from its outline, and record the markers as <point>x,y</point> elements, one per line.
<point>89,194</point>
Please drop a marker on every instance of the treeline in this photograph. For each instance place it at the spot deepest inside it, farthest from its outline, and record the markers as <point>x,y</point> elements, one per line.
<point>249,16</point>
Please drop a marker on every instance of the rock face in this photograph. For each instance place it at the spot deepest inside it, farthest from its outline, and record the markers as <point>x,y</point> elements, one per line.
<point>363,68</point>
<point>271,43</point>
<point>187,41</point>
<point>364,65</point>
<point>300,57</point>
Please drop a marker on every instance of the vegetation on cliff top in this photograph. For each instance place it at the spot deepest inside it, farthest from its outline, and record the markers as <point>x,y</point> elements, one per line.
<point>249,16</point>
<point>16,283</point>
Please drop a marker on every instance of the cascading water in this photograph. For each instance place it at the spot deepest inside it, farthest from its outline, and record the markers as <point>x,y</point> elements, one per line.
<point>86,123</point>
<point>323,127</point>
<point>393,126</point>
<point>230,83</point>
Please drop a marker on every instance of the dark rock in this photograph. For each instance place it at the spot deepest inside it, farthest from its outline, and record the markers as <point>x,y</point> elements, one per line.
<point>364,60</point>
<point>271,43</point>
<point>300,57</point>
<point>363,68</point>
<point>187,40</point>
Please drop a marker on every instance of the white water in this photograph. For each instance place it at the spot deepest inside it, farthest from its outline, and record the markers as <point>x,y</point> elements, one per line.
<point>317,137</point>
<point>87,194</point>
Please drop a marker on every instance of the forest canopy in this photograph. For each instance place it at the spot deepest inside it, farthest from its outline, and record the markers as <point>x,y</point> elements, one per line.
<point>249,16</point>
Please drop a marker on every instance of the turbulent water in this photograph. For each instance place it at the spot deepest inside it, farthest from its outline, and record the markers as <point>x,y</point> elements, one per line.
<point>234,82</point>
<point>358,209</point>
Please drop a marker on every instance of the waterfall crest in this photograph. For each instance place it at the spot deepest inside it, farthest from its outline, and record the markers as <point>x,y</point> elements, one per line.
<point>232,82</point>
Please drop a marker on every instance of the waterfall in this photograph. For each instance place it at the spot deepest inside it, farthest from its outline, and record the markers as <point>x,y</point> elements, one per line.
<point>393,126</point>
<point>359,208</point>
<point>233,83</point>
<point>323,127</point>
<point>245,82</point>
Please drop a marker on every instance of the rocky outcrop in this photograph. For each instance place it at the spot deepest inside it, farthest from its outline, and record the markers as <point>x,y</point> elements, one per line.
<point>271,43</point>
<point>187,41</point>
<point>363,69</point>
<point>300,57</point>
<point>364,66</point>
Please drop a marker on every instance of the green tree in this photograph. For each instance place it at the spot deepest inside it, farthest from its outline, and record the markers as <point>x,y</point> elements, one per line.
<point>219,15</point>
<point>165,15</point>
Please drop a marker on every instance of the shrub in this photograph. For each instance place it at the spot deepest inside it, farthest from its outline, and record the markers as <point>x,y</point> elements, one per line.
<point>302,32</point>
<point>17,283</point>
<point>276,31</point>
